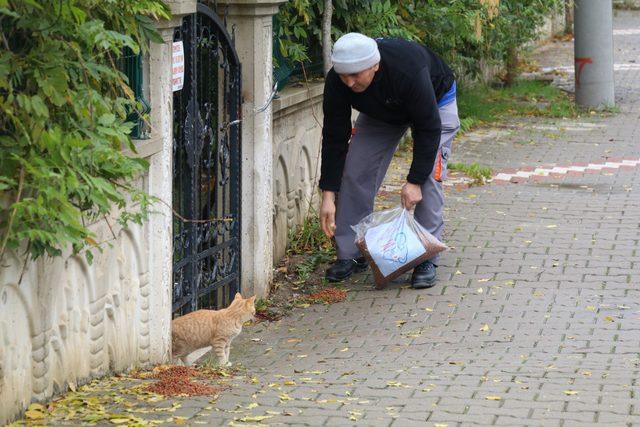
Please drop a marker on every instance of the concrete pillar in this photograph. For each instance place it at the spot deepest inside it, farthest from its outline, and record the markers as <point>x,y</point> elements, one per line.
<point>593,50</point>
<point>159,152</point>
<point>251,22</point>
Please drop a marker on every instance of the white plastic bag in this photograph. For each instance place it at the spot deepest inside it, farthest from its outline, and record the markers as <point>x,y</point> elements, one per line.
<point>393,242</point>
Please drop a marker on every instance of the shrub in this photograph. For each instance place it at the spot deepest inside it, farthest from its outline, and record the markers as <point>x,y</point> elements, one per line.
<point>63,127</point>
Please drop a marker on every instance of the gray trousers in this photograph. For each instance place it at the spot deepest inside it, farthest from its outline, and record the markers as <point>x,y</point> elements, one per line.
<point>370,153</point>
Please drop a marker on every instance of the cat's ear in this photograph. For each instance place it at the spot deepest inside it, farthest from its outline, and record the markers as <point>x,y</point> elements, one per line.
<point>238,296</point>
<point>251,300</point>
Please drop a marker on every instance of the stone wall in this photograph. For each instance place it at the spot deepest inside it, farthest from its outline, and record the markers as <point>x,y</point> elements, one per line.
<point>64,321</point>
<point>626,4</point>
<point>67,321</point>
<point>297,114</point>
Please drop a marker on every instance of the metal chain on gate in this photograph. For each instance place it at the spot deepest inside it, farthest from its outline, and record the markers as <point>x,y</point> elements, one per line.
<point>197,221</point>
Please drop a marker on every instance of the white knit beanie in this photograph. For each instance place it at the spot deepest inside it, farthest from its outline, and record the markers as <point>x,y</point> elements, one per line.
<point>354,52</point>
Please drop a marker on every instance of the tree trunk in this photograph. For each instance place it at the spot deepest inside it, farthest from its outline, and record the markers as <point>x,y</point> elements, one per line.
<point>512,66</point>
<point>568,16</point>
<point>326,35</point>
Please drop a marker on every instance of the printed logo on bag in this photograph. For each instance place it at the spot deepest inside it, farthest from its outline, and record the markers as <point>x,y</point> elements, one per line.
<point>395,249</point>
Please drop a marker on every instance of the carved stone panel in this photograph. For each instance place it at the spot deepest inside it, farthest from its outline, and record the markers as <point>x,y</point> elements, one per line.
<point>297,137</point>
<point>66,320</point>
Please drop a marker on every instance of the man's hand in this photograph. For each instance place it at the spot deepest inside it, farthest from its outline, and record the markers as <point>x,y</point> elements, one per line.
<point>328,213</point>
<point>411,195</point>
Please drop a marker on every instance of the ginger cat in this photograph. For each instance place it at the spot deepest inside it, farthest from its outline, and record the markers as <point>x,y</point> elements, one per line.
<point>215,328</point>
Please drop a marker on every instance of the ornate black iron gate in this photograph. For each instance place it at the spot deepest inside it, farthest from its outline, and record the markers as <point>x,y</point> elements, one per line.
<point>206,167</point>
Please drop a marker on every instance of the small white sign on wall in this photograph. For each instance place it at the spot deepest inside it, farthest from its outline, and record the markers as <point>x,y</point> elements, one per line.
<point>177,66</point>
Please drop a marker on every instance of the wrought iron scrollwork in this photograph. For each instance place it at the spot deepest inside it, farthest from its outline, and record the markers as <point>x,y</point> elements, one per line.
<point>206,172</point>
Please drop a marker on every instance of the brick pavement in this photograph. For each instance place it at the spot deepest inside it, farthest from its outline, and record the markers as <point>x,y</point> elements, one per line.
<point>535,319</point>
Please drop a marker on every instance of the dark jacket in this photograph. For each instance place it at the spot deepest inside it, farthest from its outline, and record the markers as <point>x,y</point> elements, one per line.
<point>405,91</point>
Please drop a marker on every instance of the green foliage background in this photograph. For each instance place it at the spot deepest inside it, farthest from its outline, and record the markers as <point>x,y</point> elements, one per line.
<point>466,33</point>
<point>63,128</point>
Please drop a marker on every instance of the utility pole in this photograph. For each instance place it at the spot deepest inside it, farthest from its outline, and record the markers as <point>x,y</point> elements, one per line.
<point>593,51</point>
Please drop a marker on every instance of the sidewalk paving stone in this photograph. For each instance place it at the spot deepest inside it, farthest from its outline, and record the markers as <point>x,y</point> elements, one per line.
<point>535,319</point>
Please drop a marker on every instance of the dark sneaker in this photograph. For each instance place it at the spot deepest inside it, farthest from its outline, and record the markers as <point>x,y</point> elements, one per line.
<point>343,268</point>
<point>424,275</point>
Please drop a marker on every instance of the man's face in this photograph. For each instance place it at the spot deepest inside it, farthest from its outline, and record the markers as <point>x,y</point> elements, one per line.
<point>359,82</point>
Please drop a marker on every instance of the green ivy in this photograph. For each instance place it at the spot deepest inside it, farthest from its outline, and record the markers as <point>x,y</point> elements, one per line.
<point>63,127</point>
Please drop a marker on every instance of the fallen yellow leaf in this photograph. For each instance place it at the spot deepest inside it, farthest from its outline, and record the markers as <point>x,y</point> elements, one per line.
<point>485,328</point>
<point>493,397</point>
<point>570,392</point>
<point>354,415</point>
<point>32,414</point>
<point>256,418</point>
